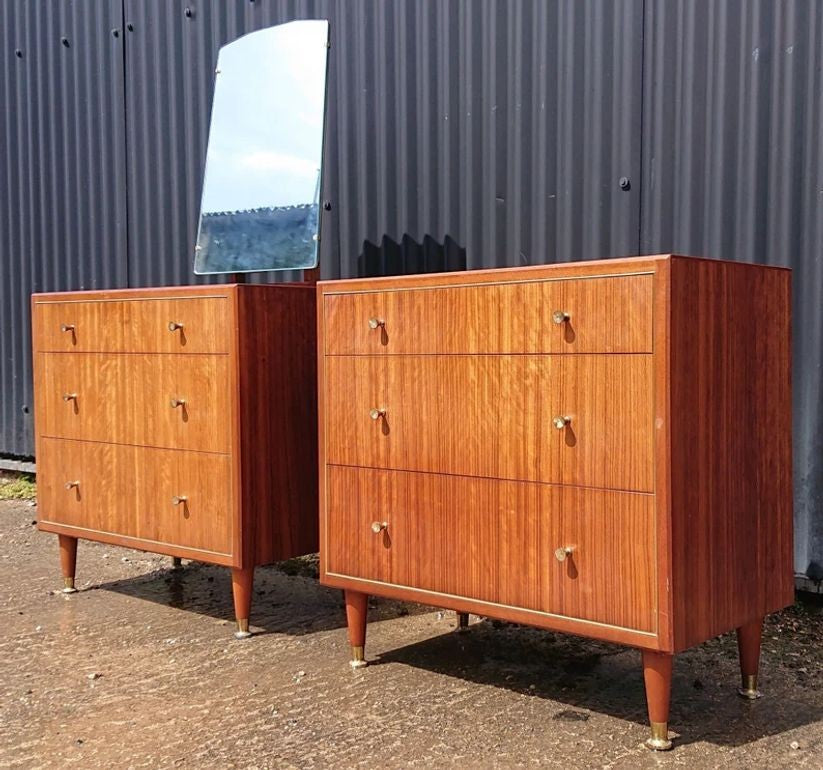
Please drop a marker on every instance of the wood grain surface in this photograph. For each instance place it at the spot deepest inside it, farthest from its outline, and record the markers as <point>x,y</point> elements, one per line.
<point>126,399</point>
<point>133,325</point>
<point>605,315</point>
<point>242,450</point>
<point>492,416</point>
<point>277,428</point>
<point>731,446</point>
<point>698,414</point>
<point>495,541</point>
<point>128,490</point>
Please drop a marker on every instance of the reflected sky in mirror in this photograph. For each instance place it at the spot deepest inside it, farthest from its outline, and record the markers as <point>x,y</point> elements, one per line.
<point>260,205</point>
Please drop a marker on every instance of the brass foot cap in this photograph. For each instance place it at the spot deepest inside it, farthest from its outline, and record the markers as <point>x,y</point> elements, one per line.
<point>659,744</point>
<point>242,629</point>
<point>749,689</point>
<point>358,657</point>
<point>659,740</point>
<point>68,586</point>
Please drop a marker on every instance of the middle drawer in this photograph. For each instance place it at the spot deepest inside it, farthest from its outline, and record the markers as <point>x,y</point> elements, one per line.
<point>496,416</point>
<point>136,399</point>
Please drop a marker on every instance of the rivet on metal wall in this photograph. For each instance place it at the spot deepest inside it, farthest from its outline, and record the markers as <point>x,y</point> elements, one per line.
<point>625,183</point>
<point>189,12</point>
<point>65,41</point>
<point>115,32</point>
<point>327,205</point>
<point>18,53</point>
<point>130,27</point>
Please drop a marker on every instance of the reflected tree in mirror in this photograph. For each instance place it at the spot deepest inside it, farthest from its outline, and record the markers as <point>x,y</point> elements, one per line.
<point>261,193</point>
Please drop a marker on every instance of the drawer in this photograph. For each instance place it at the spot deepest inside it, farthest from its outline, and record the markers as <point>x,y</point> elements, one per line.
<point>605,315</point>
<point>129,491</point>
<point>127,399</point>
<point>134,325</point>
<point>495,541</point>
<point>493,416</point>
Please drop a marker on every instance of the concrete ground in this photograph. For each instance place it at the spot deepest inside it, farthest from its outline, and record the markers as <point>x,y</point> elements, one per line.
<point>140,669</point>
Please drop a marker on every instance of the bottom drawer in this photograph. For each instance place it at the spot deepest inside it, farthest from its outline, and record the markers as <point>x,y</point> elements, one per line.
<point>129,491</point>
<point>496,541</point>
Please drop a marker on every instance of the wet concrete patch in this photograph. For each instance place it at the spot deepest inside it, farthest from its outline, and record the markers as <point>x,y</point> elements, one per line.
<point>139,669</point>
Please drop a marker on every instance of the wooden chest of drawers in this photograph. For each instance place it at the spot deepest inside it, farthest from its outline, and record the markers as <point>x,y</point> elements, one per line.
<point>600,448</point>
<point>180,421</point>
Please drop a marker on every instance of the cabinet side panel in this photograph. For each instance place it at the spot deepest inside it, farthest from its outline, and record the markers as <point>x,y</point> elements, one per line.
<point>278,421</point>
<point>731,480</point>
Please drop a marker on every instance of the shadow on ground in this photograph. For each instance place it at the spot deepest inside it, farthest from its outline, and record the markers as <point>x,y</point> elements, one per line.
<point>287,598</point>
<point>588,675</point>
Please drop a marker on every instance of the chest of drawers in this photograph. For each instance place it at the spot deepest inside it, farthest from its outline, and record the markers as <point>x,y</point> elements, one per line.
<point>180,421</point>
<point>600,448</point>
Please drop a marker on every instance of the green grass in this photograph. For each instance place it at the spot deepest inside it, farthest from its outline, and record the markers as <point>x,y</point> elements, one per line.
<point>17,486</point>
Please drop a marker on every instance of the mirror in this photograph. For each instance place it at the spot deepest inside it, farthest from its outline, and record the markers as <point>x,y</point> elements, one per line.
<point>261,193</point>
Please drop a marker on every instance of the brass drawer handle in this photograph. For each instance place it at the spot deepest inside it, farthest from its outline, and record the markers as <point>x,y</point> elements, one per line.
<point>179,500</point>
<point>376,414</point>
<point>561,554</point>
<point>375,323</point>
<point>66,327</point>
<point>72,485</point>
<point>561,422</point>
<point>175,325</point>
<point>560,316</point>
<point>378,526</point>
<point>69,397</point>
<point>175,402</point>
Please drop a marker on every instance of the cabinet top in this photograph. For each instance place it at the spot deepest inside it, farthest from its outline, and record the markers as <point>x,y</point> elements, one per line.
<point>166,292</point>
<point>556,271</point>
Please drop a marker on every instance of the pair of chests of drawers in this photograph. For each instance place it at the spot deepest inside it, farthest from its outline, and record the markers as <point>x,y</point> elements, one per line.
<point>132,417</point>
<point>498,425</point>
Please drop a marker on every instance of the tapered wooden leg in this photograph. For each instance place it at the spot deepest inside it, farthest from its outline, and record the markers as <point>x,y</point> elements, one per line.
<point>357,605</point>
<point>657,674</point>
<point>68,561</point>
<point>241,584</point>
<point>748,646</point>
<point>462,622</point>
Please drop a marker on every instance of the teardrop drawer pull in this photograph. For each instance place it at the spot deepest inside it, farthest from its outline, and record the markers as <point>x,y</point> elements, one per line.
<point>561,554</point>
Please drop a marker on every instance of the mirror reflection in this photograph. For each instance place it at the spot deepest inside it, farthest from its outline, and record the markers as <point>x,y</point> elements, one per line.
<point>261,193</point>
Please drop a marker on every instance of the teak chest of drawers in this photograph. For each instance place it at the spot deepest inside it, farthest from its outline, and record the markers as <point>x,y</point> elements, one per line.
<point>601,448</point>
<point>180,421</point>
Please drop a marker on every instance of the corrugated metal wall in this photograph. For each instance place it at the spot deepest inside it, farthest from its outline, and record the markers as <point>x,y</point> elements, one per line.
<point>501,129</point>
<point>733,168</point>
<point>62,174</point>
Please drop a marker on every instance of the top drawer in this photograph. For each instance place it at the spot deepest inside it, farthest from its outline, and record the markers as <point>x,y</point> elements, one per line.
<point>581,315</point>
<point>180,325</point>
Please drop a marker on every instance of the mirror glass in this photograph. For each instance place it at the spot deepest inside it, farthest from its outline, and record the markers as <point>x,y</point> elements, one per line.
<point>261,193</point>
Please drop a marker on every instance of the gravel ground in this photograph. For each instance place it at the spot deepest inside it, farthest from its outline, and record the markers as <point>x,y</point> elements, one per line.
<point>140,669</point>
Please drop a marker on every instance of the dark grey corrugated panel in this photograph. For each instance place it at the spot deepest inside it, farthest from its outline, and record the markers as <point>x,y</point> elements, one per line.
<point>733,168</point>
<point>499,128</point>
<point>438,114</point>
<point>62,210</point>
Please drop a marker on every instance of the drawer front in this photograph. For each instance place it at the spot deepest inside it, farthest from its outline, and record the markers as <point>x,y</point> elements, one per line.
<point>127,399</point>
<point>605,315</point>
<point>129,491</point>
<point>493,416</point>
<point>135,326</point>
<point>495,541</point>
